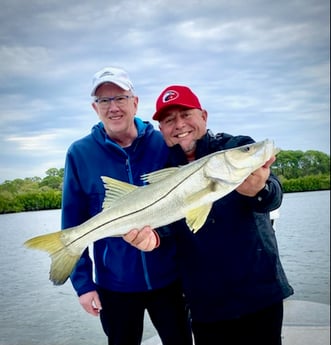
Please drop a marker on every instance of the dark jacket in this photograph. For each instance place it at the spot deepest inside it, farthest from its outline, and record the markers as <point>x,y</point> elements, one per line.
<point>231,266</point>
<point>118,265</point>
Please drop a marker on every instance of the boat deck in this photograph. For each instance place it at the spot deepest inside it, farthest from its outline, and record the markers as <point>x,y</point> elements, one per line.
<point>305,323</point>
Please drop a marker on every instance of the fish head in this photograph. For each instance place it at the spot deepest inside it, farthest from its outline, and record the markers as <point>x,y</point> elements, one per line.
<point>235,164</point>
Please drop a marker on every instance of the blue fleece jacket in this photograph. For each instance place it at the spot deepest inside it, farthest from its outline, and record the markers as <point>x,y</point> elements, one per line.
<point>118,265</point>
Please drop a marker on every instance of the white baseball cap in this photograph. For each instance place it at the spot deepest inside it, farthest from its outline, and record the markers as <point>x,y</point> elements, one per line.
<point>113,75</point>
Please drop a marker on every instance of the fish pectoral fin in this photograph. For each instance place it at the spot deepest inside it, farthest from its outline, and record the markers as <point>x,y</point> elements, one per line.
<point>158,175</point>
<point>196,217</point>
<point>115,189</point>
<point>196,197</point>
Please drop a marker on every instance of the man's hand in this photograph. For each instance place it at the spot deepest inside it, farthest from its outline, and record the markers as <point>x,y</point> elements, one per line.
<point>91,303</point>
<point>256,180</point>
<point>145,239</point>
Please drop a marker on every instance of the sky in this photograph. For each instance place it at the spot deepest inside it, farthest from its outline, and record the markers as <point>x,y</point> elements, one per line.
<point>259,67</point>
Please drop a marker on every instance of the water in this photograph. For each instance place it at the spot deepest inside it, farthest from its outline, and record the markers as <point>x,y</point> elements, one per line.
<point>303,233</point>
<point>34,312</point>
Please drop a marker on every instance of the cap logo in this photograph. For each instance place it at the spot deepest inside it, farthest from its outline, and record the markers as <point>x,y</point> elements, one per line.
<point>106,73</point>
<point>170,96</point>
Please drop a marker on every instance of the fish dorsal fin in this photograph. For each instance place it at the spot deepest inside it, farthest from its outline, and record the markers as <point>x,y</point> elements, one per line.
<point>115,189</point>
<point>196,217</point>
<point>158,175</point>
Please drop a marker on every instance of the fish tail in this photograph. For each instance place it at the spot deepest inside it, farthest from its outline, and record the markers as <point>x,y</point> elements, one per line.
<point>63,262</point>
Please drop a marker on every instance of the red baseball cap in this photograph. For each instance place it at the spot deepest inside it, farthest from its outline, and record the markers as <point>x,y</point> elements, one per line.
<point>175,95</point>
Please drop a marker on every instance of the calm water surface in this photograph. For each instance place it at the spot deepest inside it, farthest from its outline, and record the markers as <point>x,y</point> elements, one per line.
<point>303,233</point>
<point>33,311</point>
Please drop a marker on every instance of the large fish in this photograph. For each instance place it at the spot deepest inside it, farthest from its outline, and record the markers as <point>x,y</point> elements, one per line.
<point>171,194</point>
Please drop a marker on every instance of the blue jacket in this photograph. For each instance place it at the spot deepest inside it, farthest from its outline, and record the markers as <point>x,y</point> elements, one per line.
<point>231,266</point>
<point>118,265</point>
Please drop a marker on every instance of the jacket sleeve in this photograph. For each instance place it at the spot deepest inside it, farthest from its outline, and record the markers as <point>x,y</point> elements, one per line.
<point>81,276</point>
<point>75,212</point>
<point>270,198</point>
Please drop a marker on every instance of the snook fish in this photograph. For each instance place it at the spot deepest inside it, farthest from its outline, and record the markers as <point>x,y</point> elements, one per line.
<point>171,194</point>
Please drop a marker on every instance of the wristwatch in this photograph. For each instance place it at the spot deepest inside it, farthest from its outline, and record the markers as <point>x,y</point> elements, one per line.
<point>263,193</point>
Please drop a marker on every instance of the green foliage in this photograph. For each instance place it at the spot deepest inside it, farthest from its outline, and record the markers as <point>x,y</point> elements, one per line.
<point>303,171</point>
<point>44,200</point>
<point>8,203</point>
<point>31,194</point>
<point>298,171</point>
<point>306,183</point>
<point>294,164</point>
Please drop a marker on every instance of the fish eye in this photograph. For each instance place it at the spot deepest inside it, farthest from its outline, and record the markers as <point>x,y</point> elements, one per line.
<point>245,149</point>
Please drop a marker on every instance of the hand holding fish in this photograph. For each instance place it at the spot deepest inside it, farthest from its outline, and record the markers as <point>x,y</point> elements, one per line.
<point>256,181</point>
<point>145,239</point>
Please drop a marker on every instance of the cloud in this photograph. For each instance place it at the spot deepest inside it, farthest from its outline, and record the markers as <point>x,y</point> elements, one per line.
<point>260,69</point>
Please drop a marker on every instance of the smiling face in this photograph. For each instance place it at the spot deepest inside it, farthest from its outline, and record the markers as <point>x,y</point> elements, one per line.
<point>184,127</point>
<point>117,119</point>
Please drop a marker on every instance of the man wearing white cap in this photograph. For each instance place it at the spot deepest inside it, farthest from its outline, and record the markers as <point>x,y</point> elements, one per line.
<point>126,281</point>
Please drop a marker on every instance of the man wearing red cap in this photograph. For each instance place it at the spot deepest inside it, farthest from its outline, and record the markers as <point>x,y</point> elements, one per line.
<point>231,271</point>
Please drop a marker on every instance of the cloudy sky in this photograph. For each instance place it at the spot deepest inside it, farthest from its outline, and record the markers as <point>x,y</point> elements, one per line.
<point>260,67</point>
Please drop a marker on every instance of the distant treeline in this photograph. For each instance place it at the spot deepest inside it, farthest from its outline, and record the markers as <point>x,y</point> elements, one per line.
<point>32,193</point>
<point>298,171</point>
<point>303,171</point>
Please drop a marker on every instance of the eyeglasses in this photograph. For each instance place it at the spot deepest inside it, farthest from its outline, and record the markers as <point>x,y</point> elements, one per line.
<point>120,101</point>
